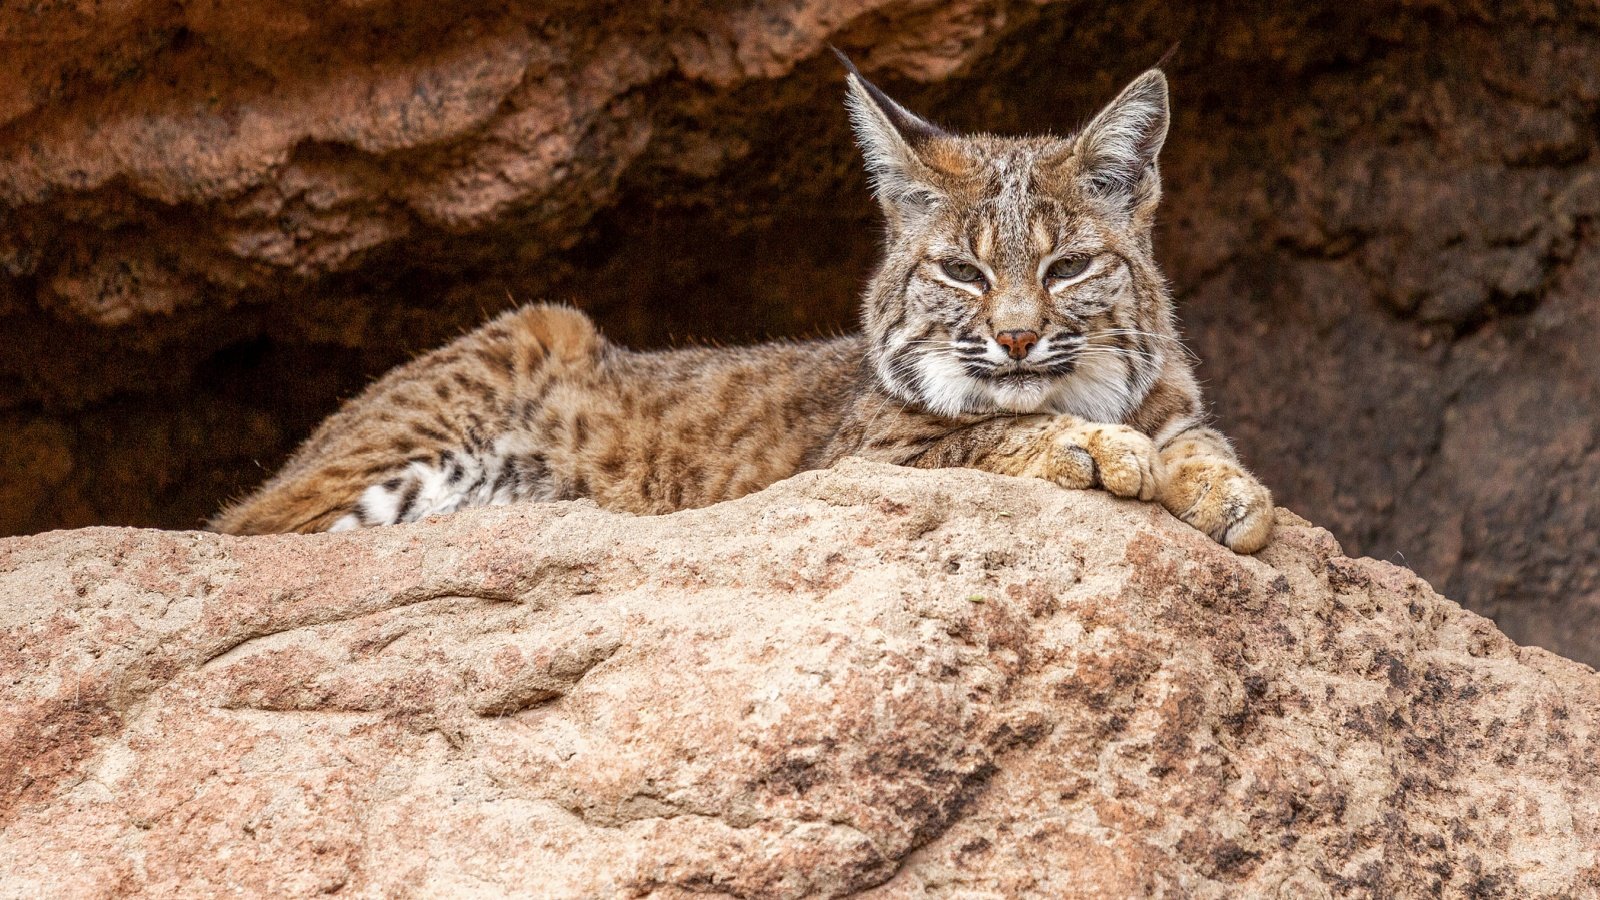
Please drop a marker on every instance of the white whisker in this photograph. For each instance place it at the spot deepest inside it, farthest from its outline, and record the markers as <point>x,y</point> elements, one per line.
<point>1167,339</point>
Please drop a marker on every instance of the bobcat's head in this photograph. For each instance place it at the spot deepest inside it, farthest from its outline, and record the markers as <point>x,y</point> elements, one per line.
<point>1017,275</point>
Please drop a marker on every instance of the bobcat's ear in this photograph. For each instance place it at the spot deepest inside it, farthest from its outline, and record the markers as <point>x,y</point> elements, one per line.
<point>1117,151</point>
<point>891,139</point>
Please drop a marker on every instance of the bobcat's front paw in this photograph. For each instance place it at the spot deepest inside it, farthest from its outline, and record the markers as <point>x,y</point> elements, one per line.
<point>1115,457</point>
<point>1220,498</point>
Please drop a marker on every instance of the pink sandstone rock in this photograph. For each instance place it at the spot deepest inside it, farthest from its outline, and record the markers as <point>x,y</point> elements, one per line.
<point>867,681</point>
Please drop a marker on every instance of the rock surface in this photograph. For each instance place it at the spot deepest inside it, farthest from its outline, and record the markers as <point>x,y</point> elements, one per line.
<point>869,681</point>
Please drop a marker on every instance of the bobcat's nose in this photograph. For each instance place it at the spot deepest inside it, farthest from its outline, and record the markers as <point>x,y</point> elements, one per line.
<point>1017,342</point>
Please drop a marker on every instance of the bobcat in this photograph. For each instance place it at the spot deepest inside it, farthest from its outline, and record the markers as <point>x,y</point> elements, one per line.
<point>1017,324</point>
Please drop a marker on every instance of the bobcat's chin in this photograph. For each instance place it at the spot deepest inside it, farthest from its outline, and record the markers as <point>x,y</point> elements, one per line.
<point>948,388</point>
<point>1020,392</point>
<point>1091,389</point>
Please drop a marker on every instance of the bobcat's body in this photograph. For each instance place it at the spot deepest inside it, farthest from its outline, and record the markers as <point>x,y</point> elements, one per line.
<point>1017,324</point>
<point>535,406</point>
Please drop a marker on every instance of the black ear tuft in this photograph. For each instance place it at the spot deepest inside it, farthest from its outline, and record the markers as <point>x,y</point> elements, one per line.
<point>910,125</point>
<point>845,61</point>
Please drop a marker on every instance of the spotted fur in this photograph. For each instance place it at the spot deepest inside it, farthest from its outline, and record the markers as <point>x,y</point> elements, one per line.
<point>1017,323</point>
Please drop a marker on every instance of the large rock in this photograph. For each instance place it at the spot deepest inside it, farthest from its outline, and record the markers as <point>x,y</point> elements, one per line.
<point>869,680</point>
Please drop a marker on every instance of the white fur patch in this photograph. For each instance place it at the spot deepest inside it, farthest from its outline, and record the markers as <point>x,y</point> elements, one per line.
<point>946,388</point>
<point>1099,388</point>
<point>458,481</point>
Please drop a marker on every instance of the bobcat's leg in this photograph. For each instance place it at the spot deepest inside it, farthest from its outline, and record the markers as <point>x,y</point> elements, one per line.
<point>1205,486</point>
<point>445,431</point>
<point>1063,449</point>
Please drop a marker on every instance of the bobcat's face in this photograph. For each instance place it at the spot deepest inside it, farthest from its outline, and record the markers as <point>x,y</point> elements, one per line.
<point>1017,275</point>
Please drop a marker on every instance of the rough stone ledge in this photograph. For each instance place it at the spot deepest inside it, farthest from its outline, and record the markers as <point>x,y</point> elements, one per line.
<point>868,680</point>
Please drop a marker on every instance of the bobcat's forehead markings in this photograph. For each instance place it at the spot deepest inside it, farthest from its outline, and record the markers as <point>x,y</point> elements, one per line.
<point>1016,323</point>
<point>1043,230</point>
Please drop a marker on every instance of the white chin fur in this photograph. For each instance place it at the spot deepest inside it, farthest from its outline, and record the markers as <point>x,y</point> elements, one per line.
<point>1026,397</point>
<point>1098,391</point>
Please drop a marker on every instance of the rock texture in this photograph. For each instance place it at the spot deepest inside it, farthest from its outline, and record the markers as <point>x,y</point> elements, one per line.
<point>869,681</point>
<point>217,219</point>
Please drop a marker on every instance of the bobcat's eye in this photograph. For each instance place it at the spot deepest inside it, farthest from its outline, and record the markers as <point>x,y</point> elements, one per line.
<point>1067,267</point>
<point>962,271</point>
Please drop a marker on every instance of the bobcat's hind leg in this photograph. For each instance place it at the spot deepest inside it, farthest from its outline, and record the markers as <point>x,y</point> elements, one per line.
<point>1206,487</point>
<point>455,480</point>
<point>447,430</point>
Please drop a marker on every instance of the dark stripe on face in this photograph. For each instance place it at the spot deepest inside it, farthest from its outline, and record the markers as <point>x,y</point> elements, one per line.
<point>899,318</point>
<point>1100,276</point>
<point>898,304</point>
<point>902,363</point>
